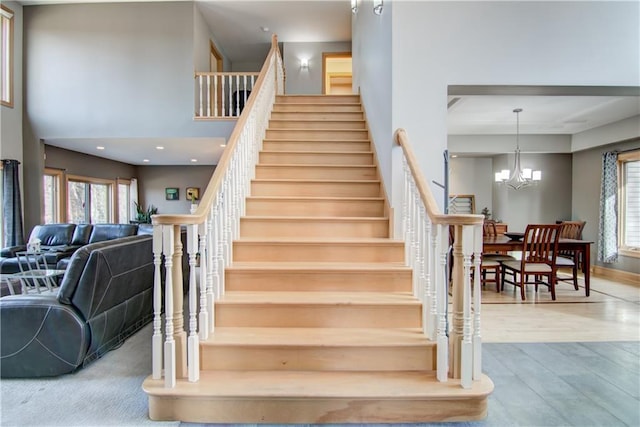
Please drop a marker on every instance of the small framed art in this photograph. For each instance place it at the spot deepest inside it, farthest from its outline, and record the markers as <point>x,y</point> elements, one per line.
<point>172,193</point>
<point>193,193</point>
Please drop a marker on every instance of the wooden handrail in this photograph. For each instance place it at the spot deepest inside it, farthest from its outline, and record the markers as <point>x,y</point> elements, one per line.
<point>426,195</point>
<point>216,73</point>
<point>207,199</point>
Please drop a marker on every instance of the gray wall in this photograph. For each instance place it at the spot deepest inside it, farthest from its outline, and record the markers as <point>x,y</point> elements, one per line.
<point>307,81</point>
<point>112,70</point>
<point>473,175</point>
<point>587,165</point>
<point>152,181</point>
<point>75,163</point>
<point>11,118</point>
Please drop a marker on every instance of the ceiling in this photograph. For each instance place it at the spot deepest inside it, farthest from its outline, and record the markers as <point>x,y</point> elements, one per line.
<point>243,31</point>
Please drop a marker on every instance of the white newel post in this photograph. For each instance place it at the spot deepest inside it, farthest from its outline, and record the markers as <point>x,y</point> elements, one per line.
<point>169,344</point>
<point>466,361</point>
<point>442,286</point>
<point>477,304</point>
<point>156,340</point>
<point>193,352</point>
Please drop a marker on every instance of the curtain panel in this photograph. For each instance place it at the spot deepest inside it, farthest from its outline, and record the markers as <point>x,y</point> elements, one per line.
<point>608,229</point>
<point>12,204</point>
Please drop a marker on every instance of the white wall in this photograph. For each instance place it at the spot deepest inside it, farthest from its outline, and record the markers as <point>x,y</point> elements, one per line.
<point>11,118</point>
<point>437,44</point>
<point>202,36</point>
<point>307,81</point>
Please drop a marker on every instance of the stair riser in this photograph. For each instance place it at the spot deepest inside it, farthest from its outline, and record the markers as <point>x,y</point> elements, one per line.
<point>318,281</point>
<point>318,108</point>
<point>315,172</point>
<point>311,411</point>
<point>302,145</point>
<point>317,134</point>
<point>320,358</point>
<point>291,158</point>
<point>328,252</point>
<point>315,189</point>
<point>271,315</point>
<point>259,227</point>
<point>324,99</point>
<point>300,115</point>
<point>311,207</point>
<point>319,124</point>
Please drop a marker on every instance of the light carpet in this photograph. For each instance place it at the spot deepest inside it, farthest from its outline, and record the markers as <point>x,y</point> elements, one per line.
<point>108,392</point>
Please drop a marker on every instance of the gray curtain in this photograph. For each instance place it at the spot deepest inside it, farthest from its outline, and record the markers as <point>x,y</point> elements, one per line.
<point>608,230</point>
<point>12,205</point>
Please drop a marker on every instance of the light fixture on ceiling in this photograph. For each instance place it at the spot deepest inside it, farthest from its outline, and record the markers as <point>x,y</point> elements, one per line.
<point>354,6</point>
<point>377,6</point>
<point>518,178</point>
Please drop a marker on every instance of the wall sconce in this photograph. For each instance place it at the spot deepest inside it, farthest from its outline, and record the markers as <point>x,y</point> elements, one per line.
<point>377,6</point>
<point>304,64</point>
<point>354,6</point>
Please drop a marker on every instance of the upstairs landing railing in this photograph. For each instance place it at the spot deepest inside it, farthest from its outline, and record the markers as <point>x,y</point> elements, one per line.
<point>223,95</point>
<point>210,231</point>
<point>428,236</point>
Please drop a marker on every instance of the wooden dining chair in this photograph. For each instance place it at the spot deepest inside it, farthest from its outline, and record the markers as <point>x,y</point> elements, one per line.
<point>491,262</point>
<point>539,249</point>
<point>570,259</point>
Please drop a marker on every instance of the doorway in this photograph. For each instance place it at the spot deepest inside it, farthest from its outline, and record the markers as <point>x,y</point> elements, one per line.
<point>337,73</point>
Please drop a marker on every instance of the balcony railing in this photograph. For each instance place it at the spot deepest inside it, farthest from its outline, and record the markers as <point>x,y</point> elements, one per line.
<point>223,95</point>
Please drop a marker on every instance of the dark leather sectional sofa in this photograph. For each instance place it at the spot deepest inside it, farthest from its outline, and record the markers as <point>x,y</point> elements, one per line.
<point>104,296</point>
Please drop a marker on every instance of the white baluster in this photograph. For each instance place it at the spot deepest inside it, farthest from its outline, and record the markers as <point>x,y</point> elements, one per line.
<point>237,94</point>
<point>200,110</point>
<point>244,83</point>
<point>442,239</point>
<point>223,93</point>
<point>432,265</point>
<point>230,94</point>
<point>212,262</point>
<point>215,95</point>
<point>209,96</point>
<point>203,316</point>
<point>193,343</point>
<point>169,343</point>
<point>221,243</point>
<point>477,304</point>
<point>466,360</point>
<point>156,340</point>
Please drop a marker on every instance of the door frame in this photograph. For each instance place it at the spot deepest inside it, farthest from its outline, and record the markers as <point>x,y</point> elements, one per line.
<point>325,57</point>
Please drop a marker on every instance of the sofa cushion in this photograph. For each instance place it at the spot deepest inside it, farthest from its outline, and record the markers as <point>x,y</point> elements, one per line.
<point>81,234</point>
<point>53,234</point>
<point>102,232</point>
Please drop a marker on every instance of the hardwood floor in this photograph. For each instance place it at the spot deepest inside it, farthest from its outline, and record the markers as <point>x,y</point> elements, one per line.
<point>571,362</point>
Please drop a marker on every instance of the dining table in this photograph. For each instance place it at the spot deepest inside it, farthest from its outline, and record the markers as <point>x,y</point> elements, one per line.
<point>501,243</point>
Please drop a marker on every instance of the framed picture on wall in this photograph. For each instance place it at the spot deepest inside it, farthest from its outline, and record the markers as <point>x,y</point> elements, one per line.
<point>172,193</point>
<point>193,193</point>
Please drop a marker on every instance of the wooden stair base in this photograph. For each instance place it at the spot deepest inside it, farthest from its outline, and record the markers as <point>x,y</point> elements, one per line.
<point>305,397</point>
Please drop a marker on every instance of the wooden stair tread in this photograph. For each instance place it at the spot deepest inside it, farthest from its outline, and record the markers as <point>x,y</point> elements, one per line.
<point>316,198</point>
<point>325,384</point>
<point>318,266</point>
<point>318,120</point>
<point>314,152</point>
<point>313,165</point>
<point>322,240</point>
<point>318,298</point>
<point>315,141</point>
<point>318,337</point>
<point>314,218</point>
<point>352,181</point>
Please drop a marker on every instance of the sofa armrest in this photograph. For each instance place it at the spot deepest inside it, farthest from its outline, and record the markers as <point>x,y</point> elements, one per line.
<point>40,337</point>
<point>10,251</point>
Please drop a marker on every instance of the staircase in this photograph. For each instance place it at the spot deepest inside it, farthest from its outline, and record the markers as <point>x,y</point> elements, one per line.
<point>318,323</point>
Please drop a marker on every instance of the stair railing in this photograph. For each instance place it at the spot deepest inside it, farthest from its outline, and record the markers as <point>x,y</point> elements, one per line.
<point>428,236</point>
<point>209,232</point>
<point>222,95</point>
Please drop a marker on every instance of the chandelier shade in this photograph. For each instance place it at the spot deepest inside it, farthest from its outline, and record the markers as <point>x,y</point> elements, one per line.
<point>519,177</point>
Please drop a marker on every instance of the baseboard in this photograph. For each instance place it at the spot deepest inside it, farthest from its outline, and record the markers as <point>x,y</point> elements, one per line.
<point>626,277</point>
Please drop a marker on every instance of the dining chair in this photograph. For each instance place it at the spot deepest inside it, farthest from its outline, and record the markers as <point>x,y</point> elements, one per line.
<point>539,249</point>
<point>491,262</point>
<point>570,259</point>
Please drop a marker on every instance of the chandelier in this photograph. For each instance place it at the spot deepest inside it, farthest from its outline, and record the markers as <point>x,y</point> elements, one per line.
<point>518,177</point>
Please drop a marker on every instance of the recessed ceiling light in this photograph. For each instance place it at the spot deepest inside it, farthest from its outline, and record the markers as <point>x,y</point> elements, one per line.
<point>194,160</point>
<point>146,160</point>
<point>453,156</point>
<point>159,147</point>
<point>223,145</point>
<point>100,147</point>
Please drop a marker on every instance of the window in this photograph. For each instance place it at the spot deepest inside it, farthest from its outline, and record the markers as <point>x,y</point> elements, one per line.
<point>89,200</point>
<point>124,196</point>
<point>629,207</point>
<point>52,196</point>
<point>6,51</point>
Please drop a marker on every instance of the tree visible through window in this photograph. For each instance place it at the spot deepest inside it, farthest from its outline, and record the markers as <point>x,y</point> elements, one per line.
<point>629,208</point>
<point>6,53</point>
<point>88,202</point>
